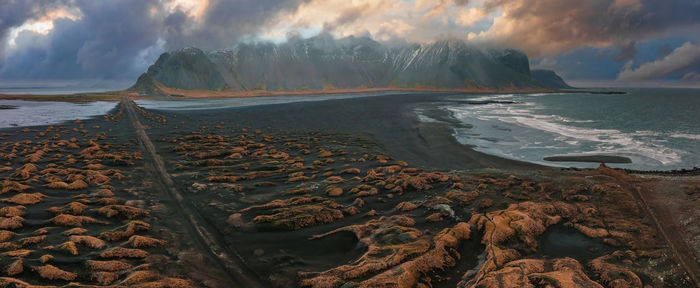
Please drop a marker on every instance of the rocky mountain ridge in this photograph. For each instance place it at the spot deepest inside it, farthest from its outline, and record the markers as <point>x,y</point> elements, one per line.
<point>324,63</point>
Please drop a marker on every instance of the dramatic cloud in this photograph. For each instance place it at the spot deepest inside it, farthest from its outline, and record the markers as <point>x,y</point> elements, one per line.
<point>81,39</point>
<point>221,24</point>
<point>545,27</point>
<point>540,27</point>
<point>16,13</point>
<point>384,20</point>
<point>679,61</point>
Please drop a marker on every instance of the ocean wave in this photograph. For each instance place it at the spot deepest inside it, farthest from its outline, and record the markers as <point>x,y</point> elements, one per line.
<point>685,136</point>
<point>542,94</point>
<point>641,143</point>
<point>489,97</point>
<point>611,140</point>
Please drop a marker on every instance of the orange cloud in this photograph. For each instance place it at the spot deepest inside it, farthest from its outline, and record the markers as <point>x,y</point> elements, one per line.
<point>43,24</point>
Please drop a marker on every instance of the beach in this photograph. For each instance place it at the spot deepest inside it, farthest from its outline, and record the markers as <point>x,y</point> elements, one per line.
<point>359,190</point>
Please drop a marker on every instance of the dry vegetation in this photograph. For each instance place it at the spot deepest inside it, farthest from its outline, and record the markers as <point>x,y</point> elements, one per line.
<point>75,171</point>
<point>410,227</point>
<point>290,182</point>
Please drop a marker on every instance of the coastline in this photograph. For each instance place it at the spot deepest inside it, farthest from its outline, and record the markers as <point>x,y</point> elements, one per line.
<point>435,136</point>
<point>177,94</point>
<point>263,93</point>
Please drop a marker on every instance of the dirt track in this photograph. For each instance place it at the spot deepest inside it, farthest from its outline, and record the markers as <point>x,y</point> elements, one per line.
<point>668,227</point>
<point>228,261</point>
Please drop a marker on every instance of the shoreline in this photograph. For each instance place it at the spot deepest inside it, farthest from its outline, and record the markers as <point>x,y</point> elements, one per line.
<point>433,135</point>
<point>176,94</point>
<point>266,93</point>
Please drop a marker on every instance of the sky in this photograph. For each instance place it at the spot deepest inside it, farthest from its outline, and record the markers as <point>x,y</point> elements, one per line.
<point>589,43</point>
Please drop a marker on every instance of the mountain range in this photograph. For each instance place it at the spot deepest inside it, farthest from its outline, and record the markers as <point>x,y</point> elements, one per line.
<point>325,63</point>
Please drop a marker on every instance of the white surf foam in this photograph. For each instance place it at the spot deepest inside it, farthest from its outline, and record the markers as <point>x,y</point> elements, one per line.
<point>685,136</point>
<point>644,144</point>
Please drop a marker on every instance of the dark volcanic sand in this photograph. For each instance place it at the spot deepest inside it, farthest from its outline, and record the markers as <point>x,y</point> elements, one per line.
<point>388,119</point>
<point>263,149</point>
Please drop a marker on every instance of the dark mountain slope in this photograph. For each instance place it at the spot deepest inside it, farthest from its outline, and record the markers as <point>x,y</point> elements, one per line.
<point>550,79</point>
<point>322,63</point>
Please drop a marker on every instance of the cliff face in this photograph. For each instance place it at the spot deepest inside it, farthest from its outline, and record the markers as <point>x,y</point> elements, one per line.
<point>550,79</point>
<point>321,62</point>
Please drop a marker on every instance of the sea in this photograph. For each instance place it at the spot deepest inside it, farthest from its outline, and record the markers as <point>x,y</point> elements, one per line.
<point>658,129</point>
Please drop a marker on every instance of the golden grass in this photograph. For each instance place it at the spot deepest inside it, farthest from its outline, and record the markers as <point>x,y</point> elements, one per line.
<point>13,222</point>
<point>6,235</point>
<point>69,247</point>
<point>97,178</point>
<point>51,272</point>
<point>72,220</point>
<point>120,252</point>
<point>126,211</point>
<point>10,211</point>
<point>15,268</point>
<point>17,253</point>
<point>129,229</point>
<point>31,240</point>
<point>77,185</point>
<point>24,172</point>
<point>73,208</point>
<point>166,282</point>
<point>45,258</point>
<point>88,241</point>
<point>10,186</point>
<point>75,231</point>
<point>24,198</point>
<point>143,241</point>
<point>110,266</point>
<point>36,156</point>
<point>221,178</point>
<point>57,185</point>
<point>103,277</point>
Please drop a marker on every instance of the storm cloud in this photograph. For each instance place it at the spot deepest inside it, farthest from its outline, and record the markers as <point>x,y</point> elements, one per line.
<point>545,27</point>
<point>83,39</point>
<point>685,60</point>
<point>116,39</point>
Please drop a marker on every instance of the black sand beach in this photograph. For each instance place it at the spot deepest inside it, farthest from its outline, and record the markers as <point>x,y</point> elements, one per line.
<point>389,120</point>
<point>319,194</point>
